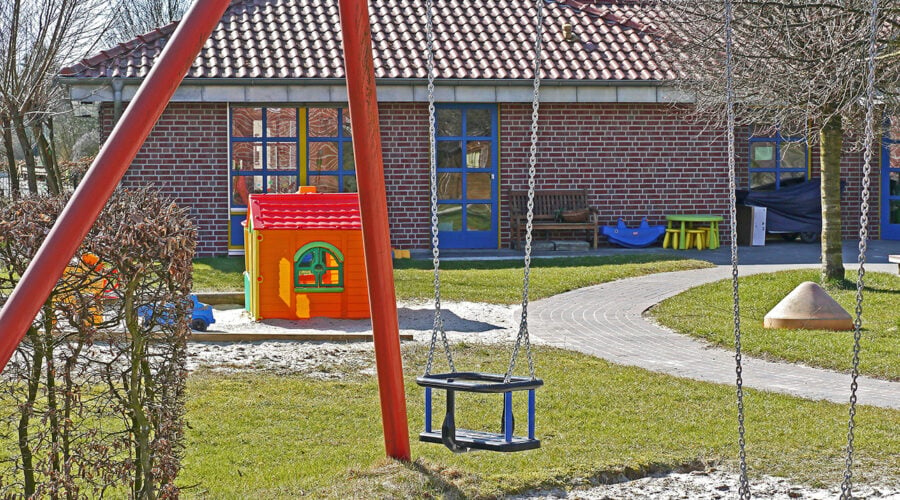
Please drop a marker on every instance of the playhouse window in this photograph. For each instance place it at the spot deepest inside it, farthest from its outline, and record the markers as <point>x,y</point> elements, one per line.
<point>318,267</point>
<point>777,161</point>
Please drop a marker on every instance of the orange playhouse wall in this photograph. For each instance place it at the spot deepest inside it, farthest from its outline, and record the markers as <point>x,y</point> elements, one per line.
<point>277,298</point>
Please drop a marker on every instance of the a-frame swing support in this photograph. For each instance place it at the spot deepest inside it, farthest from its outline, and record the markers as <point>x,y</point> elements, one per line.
<point>129,135</point>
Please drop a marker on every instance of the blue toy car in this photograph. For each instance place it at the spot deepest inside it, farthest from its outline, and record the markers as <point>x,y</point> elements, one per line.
<point>201,315</point>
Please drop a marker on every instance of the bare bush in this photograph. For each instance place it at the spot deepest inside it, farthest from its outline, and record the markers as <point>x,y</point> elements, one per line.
<point>95,392</point>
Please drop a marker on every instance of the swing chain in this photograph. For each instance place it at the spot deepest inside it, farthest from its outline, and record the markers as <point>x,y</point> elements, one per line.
<point>744,488</point>
<point>438,326</point>
<point>529,220</point>
<point>868,142</point>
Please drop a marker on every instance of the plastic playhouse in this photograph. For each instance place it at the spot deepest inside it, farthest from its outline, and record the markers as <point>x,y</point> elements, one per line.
<point>304,257</point>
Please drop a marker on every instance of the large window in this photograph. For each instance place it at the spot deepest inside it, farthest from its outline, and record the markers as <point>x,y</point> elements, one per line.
<point>777,161</point>
<point>330,166</point>
<point>264,152</point>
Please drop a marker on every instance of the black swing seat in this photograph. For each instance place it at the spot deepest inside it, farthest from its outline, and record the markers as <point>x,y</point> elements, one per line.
<point>462,440</point>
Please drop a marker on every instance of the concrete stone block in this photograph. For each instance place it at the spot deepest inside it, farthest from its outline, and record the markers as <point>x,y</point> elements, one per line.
<point>309,93</point>
<point>596,94</point>
<point>636,94</point>
<point>267,93</point>
<point>476,93</point>
<point>224,93</point>
<point>571,246</point>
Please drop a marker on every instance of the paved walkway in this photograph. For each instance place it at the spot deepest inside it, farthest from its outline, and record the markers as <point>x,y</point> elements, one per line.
<point>607,321</point>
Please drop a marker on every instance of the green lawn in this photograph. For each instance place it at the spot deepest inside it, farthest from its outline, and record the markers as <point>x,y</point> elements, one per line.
<point>493,281</point>
<point>706,312</point>
<point>268,436</point>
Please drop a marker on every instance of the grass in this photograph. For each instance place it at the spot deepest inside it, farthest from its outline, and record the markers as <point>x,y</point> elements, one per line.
<point>219,274</point>
<point>495,281</point>
<point>268,436</point>
<point>706,312</point>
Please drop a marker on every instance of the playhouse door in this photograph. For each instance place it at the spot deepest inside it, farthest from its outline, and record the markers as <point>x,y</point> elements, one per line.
<point>890,189</point>
<point>467,184</point>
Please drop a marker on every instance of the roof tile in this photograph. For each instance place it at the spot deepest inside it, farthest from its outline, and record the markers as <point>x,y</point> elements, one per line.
<point>475,39</point>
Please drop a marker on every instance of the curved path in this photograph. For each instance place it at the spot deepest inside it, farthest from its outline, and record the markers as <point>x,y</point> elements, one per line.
<point>607,321</point>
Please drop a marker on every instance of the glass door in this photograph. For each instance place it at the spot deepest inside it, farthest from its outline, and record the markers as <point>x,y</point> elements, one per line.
<point>467,151</point>
<point>890,189</point>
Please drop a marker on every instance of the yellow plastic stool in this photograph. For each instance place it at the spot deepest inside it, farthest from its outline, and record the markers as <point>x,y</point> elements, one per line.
<point>672,236</point>
<point>696,238</point>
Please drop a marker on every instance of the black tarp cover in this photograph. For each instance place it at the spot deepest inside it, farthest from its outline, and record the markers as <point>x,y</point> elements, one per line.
<point>794,209</point>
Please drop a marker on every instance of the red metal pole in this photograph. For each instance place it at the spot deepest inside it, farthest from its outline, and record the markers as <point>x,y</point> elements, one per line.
<point>105,173</point>
<point>360,71</point>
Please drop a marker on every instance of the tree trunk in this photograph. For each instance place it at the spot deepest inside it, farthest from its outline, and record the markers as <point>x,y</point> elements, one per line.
<point>48,158</point>
<point>10,158</point>
<point>830,143</point>
<point>22,136</point>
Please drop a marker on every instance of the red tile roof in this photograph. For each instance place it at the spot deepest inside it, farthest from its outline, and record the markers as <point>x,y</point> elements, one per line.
<point>476,39</point>
<point>305,211</point>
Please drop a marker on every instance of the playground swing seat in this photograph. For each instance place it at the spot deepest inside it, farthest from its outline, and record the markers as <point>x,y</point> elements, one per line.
<point>463,440</point>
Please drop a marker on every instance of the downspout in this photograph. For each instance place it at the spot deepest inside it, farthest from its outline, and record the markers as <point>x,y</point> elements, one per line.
<point>117,86</point>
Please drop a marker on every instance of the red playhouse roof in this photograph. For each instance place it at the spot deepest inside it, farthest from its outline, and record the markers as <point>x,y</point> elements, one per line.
<point>305,211</point>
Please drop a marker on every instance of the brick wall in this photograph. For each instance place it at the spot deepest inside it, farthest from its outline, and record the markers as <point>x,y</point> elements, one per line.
<point>186,157</point>
<point>634,159</point>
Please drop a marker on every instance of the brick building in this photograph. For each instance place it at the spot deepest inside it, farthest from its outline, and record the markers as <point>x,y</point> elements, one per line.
<point>263,109</point>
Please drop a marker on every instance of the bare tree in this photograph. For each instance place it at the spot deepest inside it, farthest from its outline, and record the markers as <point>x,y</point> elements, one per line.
<point>36,38</point>
<point>137,17</point>
<point>799,66</point>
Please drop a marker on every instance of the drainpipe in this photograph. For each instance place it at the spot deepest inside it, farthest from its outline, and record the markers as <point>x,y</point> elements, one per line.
<point>117,86</point>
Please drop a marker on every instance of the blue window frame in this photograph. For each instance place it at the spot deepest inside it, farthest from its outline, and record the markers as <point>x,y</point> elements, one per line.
<point>466,143</point>
<point>265,152</point>
<point>777,161</point>
<point>330,163</point>
<point>890,181</point>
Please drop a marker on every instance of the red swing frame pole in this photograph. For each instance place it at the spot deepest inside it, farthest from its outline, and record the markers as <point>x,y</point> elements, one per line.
<point>105,172</point>
<point>360,70</point>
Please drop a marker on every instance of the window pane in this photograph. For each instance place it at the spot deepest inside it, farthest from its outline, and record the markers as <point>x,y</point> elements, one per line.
<point>242,186</point>
<point>793,155</point>
<point>349,164</point>
<point>350,184</point>
<point>450,217</point>
<point>763,181</point>
<point>346,119</point>
<point>478,122</point>
<point>895,212</point>
<point>282,157</point>
<point>762,155</point>
<point>324,183</point>
<point>323,122</point>
<point>449,186</point>
<point>478,154</point>
<point>246,122</point>
<point>449,154</point>
<point>281,122</point>
<point>791,178</point>
<point>478,186</point>
<point>894,150</point>
<point>894,182</point>
<point>282,184</point>
<point>449,122</point>
<point>478,217</point>
<point>323,156</point>
<point>246,156</point>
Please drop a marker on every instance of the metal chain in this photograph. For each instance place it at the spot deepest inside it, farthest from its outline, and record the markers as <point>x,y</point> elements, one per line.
<point>529,220</point>
<point>438,326</point>
<point>868,142</point>
<point>744,489</point>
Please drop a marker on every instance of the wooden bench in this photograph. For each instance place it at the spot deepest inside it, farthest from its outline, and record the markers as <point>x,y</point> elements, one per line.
<point>556,210</point>
<point>896,260</point>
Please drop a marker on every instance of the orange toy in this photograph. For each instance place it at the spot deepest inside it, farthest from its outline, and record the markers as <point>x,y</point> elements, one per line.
<point>304,257</point>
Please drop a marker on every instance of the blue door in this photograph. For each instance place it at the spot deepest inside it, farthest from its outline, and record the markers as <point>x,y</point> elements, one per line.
<point>890,189</point>
<point>467,151</point>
